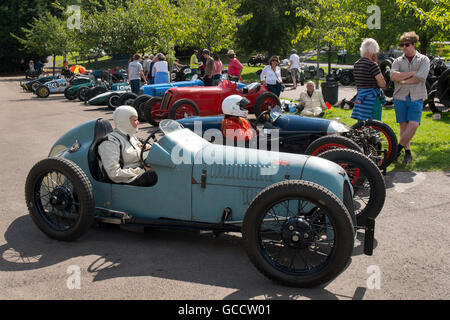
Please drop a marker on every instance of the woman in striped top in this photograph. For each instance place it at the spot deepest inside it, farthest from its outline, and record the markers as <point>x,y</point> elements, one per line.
<point>369,80</point>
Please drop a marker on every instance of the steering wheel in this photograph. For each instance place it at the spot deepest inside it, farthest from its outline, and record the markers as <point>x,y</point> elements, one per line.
<point>152,136</point>
<point>263,117</point>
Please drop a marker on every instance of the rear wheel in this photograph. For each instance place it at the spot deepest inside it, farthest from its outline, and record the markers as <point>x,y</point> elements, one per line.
<point>387,141</point>
<point>326,143</point>
<point>60,199</point>
<point>127,99</point>
<point>183,108</point>
<point>113,101</point>
<point>139,104</point>
<point>298,233</point>
<point>82,93</point>
<point>152,112</point>
<point>369,189</point>
<point>265,101</point>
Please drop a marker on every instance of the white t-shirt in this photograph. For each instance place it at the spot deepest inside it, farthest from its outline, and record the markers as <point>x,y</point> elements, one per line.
<point>133,70</point>
<point>160,66</point>
<point>295,61</point>
<point>270,76</point>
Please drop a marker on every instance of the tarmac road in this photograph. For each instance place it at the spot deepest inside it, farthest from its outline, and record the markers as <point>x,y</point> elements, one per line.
<point>411,257</point>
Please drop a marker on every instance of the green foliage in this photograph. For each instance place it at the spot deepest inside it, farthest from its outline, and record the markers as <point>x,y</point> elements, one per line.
<point>47,35</point>
<point>268,30</point>
<point>209,24</point>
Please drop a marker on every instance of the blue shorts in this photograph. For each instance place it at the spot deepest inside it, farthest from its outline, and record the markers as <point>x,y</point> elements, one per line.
<point>408,110</point>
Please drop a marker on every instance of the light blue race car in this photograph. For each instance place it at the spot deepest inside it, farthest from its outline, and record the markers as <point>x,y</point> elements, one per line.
<point>295,212</point>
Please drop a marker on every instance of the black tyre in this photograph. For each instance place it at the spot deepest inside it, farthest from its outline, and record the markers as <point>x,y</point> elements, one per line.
<point>369,189</point>
<point>435,103</point>
<point>296,247</point>
<point>139,105</point>
<point>152,112</point>
<point>265,101</point>
<point>60,199</point>
<point>347,79</point>
<point>42,91</point>
<point>70,94</point>
<point>82,94</point>
<point>183,108</point>
<point>113,101</point>
<point>387,141</point>
<point>127,99</point>
<point>443,88</point>
<point>326,143</point>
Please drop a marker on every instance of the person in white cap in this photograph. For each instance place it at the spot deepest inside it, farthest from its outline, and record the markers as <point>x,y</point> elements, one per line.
<point>120,152</point>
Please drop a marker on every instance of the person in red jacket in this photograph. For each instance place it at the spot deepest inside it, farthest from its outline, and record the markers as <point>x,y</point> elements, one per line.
<point>235,125</point>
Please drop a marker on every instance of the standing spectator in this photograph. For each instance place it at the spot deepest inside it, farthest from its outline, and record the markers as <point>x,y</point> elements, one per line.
<point>161,70</point>
<point>194,64</point>
<point>344,56</point>
<point>146,65</point>
<point>151,75</point>
<point>271,75</point>
<point>409,73</point>
<point>369,80</point>
<point>39,65</point>
<point>115,74</point>
<point>135,74</point>
<point>294,65</point>
<point>218,73</point>
<point>312,102</point>
<point>210,68</point>
<point>234,67</point>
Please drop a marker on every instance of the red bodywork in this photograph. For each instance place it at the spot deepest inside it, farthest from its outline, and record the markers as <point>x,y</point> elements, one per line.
<point>208,99</point>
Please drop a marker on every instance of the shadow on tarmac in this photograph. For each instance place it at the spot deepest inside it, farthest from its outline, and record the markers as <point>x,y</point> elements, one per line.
<point>188,256</point>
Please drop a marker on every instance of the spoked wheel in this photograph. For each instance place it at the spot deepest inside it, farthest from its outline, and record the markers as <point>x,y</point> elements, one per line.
<point>369,189</point>
<point>326,143</point>
<point>266,101</point>
<point>152,112</point>
<point>183,108</point>
<point>60,199</point>
<point>386,141</point>
<point>298,233</point>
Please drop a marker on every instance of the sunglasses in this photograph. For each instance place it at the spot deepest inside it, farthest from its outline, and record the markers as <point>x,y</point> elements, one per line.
<point>405,45</point>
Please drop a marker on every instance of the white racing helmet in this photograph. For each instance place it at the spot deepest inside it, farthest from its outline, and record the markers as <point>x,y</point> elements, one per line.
<point>233,106</point>
<point>122,117</point>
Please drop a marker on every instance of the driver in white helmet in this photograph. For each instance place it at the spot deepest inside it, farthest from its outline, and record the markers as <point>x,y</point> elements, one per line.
<point>120,152</point>
<point>235,124</point>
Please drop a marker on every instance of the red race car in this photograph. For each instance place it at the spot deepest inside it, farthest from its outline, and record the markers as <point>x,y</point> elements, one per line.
<point>179,103</point>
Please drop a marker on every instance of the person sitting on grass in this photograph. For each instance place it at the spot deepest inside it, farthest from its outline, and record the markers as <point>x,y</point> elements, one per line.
<point>312,102</point>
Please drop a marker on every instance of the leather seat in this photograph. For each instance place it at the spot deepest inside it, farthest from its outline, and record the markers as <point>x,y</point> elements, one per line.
<point>101,129</point>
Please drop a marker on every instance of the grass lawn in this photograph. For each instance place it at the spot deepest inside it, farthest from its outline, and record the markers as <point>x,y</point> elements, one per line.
<point>430,147</point>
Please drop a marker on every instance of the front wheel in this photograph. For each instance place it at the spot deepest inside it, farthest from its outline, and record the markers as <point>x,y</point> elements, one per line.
<point>60,199</point>
<point>326,143</point>
<point>113,101</point>
<point>298,233</point>
<point>69,94</point>
<point>369,189</point>
<point>266,101</point>
<point>183,108</point>
<point>82,94</point>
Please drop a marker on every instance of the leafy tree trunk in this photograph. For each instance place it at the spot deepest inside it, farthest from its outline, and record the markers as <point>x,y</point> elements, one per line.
<point>54,64</point>
<point>329,58</point>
